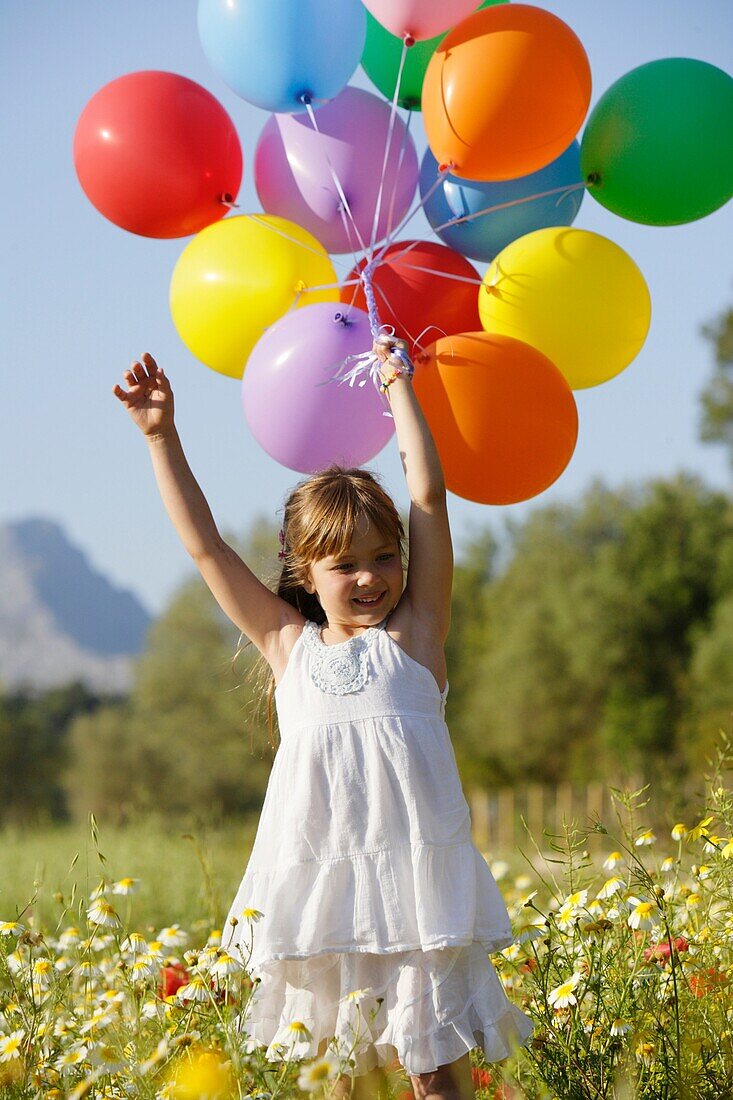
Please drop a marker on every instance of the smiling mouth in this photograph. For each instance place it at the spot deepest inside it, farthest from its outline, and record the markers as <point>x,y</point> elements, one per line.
<point>371,602</point>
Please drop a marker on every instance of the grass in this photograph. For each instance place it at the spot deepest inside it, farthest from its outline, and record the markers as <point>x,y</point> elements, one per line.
<point>187,872</point>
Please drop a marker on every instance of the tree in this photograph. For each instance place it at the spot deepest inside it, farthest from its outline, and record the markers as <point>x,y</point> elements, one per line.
<point>716,424</point>
<point>590,631</point>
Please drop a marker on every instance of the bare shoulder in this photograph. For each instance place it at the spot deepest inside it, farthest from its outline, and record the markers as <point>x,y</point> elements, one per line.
<point>419,637</point>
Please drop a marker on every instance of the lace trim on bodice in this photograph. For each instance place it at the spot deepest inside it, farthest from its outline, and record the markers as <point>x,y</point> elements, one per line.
<point>342,668</point>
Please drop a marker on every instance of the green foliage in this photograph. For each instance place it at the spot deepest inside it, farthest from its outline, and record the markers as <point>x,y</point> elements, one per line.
<point>590,632</point>
<point>33,747</point>
<point>716,423</point>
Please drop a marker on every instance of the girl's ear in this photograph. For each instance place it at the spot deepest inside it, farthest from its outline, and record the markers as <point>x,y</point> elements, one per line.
<point>308,584</point>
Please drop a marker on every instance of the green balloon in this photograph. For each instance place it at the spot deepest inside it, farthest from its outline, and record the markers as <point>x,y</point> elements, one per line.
<point>381,61</point>
<point>657,147</point>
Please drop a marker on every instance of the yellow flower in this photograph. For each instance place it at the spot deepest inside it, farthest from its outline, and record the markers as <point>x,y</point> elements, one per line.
<point>611,886</point>
<point>610,861</point>
<point>700,829</point>
<point>679,832</point>
<point>647,837</point>
<point>205,1075</point>
<point>693,899</point>
<point>727,851</point>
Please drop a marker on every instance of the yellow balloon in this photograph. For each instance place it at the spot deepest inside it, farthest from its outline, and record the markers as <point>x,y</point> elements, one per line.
<point>239,275</point>
<point>572,294</point>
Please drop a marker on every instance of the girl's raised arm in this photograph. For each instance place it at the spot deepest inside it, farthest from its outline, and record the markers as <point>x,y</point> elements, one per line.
<point>430,570</point>
<point>251,606</point>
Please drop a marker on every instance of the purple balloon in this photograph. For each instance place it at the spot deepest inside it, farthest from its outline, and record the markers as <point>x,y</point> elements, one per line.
<point>300,423</point>
<point>296,169</point>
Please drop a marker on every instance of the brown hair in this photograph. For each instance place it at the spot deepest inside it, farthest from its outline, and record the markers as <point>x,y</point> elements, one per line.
<point>320,517</point>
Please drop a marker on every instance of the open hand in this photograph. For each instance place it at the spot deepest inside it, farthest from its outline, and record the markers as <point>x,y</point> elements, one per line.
<point>149,399</point>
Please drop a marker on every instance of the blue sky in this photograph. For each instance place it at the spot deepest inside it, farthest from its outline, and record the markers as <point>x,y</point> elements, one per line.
<point>80,298</point>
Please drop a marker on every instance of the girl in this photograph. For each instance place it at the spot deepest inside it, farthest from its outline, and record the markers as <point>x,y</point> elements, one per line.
<point>368,910</point>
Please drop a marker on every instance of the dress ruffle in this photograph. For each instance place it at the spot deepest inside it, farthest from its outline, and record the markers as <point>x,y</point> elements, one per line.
<point>382,902</point>
<point>427,1008</point>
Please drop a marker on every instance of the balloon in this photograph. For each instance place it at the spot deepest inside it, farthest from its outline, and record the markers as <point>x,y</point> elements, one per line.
<point>419,18</point>
<point>413,290</point>
<point>299,421</point>
<point>657,145</point>
<point>296,168</point>
<point>237,277</point>
<point>382,57</point>
<point>483,237</point>
<point>505,93</point>
<point>503,417</point>
<point>574,295</point>
<point>156,153</point>
<point>273,52</point>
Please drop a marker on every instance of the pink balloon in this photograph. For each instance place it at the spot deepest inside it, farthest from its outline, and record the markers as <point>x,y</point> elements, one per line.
<point>300,422</point>
<point>298,170</point>
<point>420,18</point>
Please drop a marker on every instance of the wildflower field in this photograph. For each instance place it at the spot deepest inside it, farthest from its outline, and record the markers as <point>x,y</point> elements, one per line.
<point>624,963</point>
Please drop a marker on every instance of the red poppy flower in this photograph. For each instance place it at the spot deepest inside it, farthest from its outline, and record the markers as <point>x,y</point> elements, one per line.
<point>171,979</point>
<point>706,981</point>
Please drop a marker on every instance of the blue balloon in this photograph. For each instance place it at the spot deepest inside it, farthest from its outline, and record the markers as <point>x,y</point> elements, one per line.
<point>273,52</point>
<point>484,237</point>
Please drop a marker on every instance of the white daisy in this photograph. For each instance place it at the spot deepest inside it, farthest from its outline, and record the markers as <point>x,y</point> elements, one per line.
<point>562,995</point>
<point>10,1045</point>
<point>126,886</point>
<point>643,915</point>
<point>315,1075</point>
<point>174,936</point>
<point>100,912</point>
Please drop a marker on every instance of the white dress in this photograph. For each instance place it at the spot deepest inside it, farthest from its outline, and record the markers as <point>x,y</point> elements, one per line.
<point>366,874</point>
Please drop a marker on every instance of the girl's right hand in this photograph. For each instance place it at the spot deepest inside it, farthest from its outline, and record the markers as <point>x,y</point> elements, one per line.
<point>149,399</point>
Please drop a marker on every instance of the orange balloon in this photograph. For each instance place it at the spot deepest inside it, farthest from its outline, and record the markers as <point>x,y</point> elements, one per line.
<point>502,415</point>
<point>505,92</point>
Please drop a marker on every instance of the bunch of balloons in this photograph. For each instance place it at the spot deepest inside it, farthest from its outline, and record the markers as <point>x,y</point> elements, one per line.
<point>504,89</point>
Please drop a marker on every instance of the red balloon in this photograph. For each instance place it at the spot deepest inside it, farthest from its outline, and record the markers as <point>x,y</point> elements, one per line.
<point>156,153</point>
<point>412,297</point>
<point>502,415</point>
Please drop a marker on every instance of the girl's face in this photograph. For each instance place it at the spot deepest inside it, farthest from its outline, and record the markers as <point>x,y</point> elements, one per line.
<point>346,585</point>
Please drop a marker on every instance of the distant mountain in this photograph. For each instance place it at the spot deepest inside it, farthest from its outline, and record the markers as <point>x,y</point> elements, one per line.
<point>60,619</point>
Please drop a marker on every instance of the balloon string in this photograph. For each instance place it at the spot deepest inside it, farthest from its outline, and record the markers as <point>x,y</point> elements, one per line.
<point>395,182</point>
<point>387,148</point>
<point>301,244</point>
<point>567,188</point>
<point>444,274</point>
<point>408,218</point>
<point>344,207</point>
<point>488,210</point>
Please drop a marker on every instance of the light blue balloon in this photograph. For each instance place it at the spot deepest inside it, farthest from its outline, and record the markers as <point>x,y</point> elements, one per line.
<point>272,52</point>
<point>484,237</point>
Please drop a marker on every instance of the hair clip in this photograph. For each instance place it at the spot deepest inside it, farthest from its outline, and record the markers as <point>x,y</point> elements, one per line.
<point>282,553</point>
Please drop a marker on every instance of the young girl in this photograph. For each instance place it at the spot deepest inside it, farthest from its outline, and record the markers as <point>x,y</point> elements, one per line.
<point>368,910</point>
